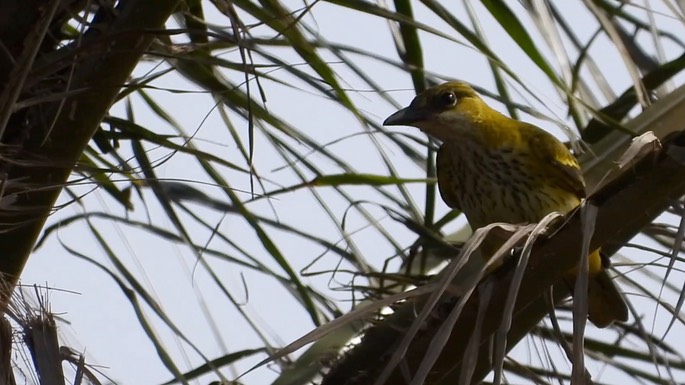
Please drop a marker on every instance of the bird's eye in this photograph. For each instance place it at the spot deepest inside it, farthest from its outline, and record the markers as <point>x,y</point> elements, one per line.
<point>448,99</point>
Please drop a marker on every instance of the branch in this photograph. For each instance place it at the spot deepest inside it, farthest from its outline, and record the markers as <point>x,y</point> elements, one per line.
<point>632,200</point>
<point>40,165</point>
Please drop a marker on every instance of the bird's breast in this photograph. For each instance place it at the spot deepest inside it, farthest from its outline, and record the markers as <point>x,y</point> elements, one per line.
<point>502,185</point>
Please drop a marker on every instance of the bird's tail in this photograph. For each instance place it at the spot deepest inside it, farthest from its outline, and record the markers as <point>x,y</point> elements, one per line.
<point>605,302</point>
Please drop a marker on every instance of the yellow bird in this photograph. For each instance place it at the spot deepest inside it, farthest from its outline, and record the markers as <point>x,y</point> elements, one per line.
<point>497,169</point>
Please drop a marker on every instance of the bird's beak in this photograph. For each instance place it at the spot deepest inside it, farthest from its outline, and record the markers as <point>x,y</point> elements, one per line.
<point>404,117</point>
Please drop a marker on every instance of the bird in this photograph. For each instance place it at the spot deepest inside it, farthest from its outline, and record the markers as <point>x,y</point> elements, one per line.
<point>494,168</point>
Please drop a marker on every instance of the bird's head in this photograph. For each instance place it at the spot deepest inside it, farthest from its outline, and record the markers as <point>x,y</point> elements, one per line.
<point>448,111</point>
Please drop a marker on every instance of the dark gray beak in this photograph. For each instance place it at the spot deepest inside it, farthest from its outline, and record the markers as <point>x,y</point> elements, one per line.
<point>404,117</point>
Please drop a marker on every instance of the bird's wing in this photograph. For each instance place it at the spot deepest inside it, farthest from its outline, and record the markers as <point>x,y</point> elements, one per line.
<point>562,165</point>
<point>447,181</point>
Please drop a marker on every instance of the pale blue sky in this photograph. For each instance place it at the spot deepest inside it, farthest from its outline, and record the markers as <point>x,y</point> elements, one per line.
<point>103,323</point>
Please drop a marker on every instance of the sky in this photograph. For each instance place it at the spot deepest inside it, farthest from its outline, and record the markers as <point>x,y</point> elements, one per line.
<point>101,321</point>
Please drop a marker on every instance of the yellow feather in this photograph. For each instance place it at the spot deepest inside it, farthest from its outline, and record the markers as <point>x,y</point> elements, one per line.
<point>497,169</point>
